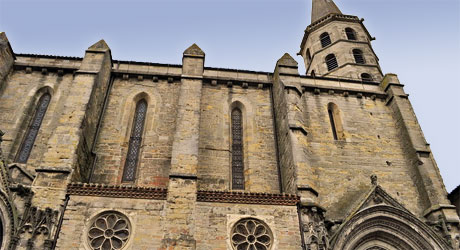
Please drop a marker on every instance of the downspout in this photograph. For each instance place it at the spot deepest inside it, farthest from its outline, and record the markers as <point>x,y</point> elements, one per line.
<point>276,139</point>
<point>61,219</point>
<point>98,128</point>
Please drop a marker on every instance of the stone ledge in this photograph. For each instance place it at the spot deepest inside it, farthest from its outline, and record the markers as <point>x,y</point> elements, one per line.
<point>54,170</point>
<point>298,128</point>
<point>341,90</point>
<point>247,198</point>
<point>183,176</point>
<point>116,191</point>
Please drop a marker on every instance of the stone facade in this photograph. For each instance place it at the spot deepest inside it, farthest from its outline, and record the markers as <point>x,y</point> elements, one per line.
<point>134,155</point>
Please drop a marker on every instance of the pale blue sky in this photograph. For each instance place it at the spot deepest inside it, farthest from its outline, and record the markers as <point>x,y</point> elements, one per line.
<point>417,39</point>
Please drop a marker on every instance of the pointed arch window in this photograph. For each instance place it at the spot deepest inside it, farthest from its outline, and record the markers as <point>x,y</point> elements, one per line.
<point>237,149</point>
<point>135,141</point>
<point>331,62</point>
<point>336,122</point>
<point>325,39</point>
<point>359,57</point>
<point>365,77</point>
<point>34,127</point>
<point>351,34</point>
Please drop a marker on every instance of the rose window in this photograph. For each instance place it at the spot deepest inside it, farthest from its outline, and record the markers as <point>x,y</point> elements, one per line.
<point>251,234</point>
<point>109,230</point>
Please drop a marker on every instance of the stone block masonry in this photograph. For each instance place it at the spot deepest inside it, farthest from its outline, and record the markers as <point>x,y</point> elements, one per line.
<point>140,155</point>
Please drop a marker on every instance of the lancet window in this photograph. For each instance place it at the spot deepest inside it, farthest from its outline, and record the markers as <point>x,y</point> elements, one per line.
<point>237,150</point>
<point>135,141</point>
<point>336,122</point>
<point>32,130</point>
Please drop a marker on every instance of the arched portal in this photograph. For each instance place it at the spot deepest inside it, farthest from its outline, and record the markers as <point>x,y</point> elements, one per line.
<point>383,227</point>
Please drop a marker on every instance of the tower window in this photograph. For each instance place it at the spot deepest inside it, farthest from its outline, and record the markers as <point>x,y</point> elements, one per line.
<point>365,77</point>
<point>359,58</point>
<point>237,150</point>
<point>34,126</point>
<point>325,39</point>
<point>331,62</point>
<point>351,35</point>
<point>135,140</point>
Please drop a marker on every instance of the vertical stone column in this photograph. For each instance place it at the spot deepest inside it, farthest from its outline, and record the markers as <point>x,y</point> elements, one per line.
<point>297,176</point>
<point>62,161</point>
<point>179,224</point>
<point>438,207</point>
<point>6,58</point>
<point>296,173</point>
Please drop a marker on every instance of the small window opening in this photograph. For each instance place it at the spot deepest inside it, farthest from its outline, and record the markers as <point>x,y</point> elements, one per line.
<point>365,77</point>
<point>351,35</point>
<point>331,118</point>
<point>331,62</point>
<point>359,58</point>
<point>325,39</point>
<point>336,122</point>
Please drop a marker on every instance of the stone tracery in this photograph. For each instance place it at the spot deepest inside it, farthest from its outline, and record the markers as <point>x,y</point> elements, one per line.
<point>110,230</point>
<point>251,234</point>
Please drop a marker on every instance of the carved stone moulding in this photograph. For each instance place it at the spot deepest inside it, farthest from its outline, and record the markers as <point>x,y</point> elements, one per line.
<point>247,198</point>
<point>100,190</point>
<point>386,227</point>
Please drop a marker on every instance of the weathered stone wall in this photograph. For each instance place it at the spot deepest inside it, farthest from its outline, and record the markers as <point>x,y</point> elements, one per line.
<point>113,141</point>
<point>145,217</point>
<point>18,104</point>
<point>214,168</point>
<point>216,221</point>
<point>372,145</point>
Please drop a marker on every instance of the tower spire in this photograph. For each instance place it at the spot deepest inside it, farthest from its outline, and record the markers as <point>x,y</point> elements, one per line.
<point>321,8</point>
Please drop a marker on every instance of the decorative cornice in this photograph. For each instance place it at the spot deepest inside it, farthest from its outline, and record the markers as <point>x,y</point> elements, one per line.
<point>344,91</point>
<point>247,198</point>
<point>329,18</point>
<point>116,191</point>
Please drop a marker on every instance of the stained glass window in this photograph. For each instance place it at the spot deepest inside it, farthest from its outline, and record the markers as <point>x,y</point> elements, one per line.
<point>251,234</point>
<point>135,141</point>
<point>109,231</point>
<point>32,130</point>
<point>237,150</point>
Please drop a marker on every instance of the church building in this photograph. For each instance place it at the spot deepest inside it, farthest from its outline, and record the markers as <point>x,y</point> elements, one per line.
<point>103,154</point>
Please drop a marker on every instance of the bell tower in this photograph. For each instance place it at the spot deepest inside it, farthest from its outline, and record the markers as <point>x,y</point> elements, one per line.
<point>338,46</point>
